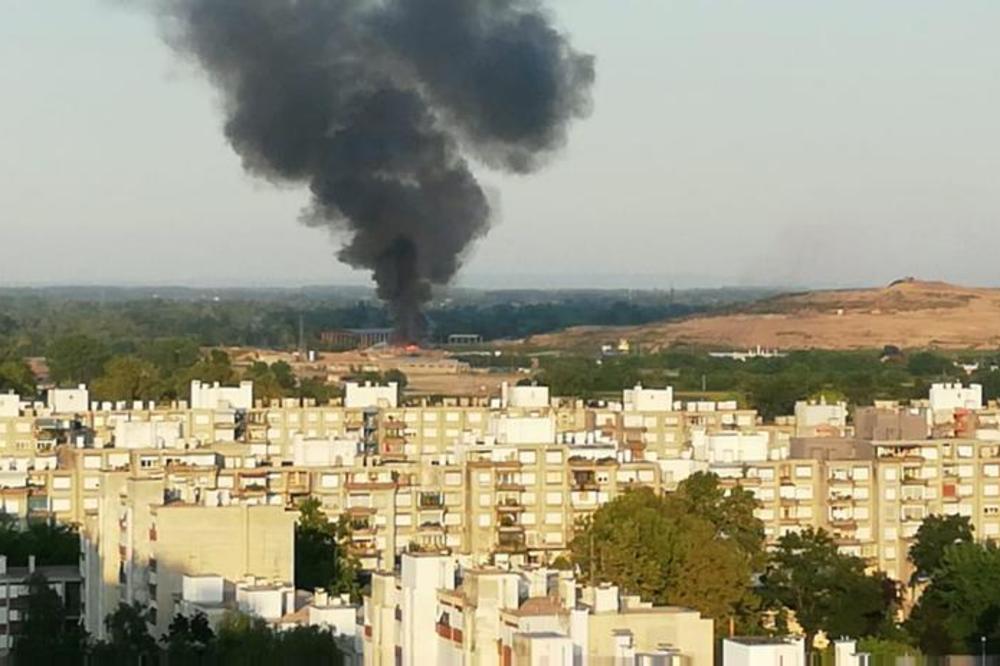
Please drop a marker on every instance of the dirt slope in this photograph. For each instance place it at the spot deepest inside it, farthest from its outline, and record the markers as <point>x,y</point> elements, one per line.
<point>907,313</point>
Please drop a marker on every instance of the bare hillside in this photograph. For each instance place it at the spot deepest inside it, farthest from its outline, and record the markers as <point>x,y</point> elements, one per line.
<point>907,313</point>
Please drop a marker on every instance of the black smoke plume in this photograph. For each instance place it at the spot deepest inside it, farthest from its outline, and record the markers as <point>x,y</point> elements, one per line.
<point>375,104</point>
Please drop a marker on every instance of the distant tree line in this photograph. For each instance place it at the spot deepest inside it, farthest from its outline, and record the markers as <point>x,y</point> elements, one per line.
<point>32,322</point>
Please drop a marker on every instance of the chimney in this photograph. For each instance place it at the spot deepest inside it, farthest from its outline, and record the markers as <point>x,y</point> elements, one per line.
<point>31,564</point>
<point>3,565</point>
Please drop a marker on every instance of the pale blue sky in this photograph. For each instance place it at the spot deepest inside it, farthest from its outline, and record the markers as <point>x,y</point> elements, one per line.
<point>825,142</point>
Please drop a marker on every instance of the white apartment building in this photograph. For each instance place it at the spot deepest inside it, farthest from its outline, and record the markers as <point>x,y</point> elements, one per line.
<point>205,396</point>
<point>368,396</point>
<point>436,612</point>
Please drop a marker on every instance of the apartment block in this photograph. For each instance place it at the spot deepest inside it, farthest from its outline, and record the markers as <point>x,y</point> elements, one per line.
<point>436,612</point>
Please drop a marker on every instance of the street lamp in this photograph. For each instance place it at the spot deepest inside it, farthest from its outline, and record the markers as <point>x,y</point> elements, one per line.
<point>982,642</point>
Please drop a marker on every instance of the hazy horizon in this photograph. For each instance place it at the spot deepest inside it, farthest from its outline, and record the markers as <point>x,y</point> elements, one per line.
<point>827,145</point>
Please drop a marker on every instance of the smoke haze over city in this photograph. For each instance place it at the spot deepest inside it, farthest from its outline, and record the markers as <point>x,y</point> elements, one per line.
<point>788,143</point>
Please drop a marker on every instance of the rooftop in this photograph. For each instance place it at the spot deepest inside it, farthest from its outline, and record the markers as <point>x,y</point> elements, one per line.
<point>762,640</point>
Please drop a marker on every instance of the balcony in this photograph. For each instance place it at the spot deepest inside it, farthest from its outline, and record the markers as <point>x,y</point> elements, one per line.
<point>508,523</point>
<point>511,543</point>
<point>361,528</point>
<point>431,526</point>
<point>510,504</point>
<point>509,484</point>
<point>843,522</point>
<point>431,501</point>
<point>363,550</point>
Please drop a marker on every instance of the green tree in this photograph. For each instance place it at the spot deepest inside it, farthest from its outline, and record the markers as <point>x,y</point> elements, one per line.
<point>933,537</point>
<point>396,375</point>
<point>654,547</point>
<point>776,396</point>
<point>731,512</point>
<point>16,376</point>
<point>962,602</point>
<point>75,359</point>
<point>46,637</point>
<point>826,589</point>
<point>322,556</point>
<point>129,640</point>
<point>216,366</point>
<point>247,641</point>
<point>929,364</point>
<point>284,375</point>
<point>265,384</point>
<point>189,639</point>
<point>127,378</point>
<point>171,355</point>
<point>315,389</point>
<point>50,542</point>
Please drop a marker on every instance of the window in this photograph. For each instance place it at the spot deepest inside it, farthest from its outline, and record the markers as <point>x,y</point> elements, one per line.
<point>889,474</point>
<point>554,498</point>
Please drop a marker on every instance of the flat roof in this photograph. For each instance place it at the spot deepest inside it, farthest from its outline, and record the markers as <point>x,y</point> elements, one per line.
<point>762,640</point>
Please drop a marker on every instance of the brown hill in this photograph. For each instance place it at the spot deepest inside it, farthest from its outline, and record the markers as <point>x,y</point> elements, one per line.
<point>908,313</point>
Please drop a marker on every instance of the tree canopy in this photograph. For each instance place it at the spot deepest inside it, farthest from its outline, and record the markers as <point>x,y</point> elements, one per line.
<point>826,590</point>
<point>933,537</point>
<point>46,637</point>
<point>322,556</point>
<point>51,543</point>
<point>961,603</point>
<point>657,547</point>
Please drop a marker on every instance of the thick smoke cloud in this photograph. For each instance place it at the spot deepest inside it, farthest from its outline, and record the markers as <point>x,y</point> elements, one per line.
<point>375,103</point>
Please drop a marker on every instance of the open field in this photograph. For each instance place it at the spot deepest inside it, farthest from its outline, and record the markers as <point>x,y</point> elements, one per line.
<point>908,314</point>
